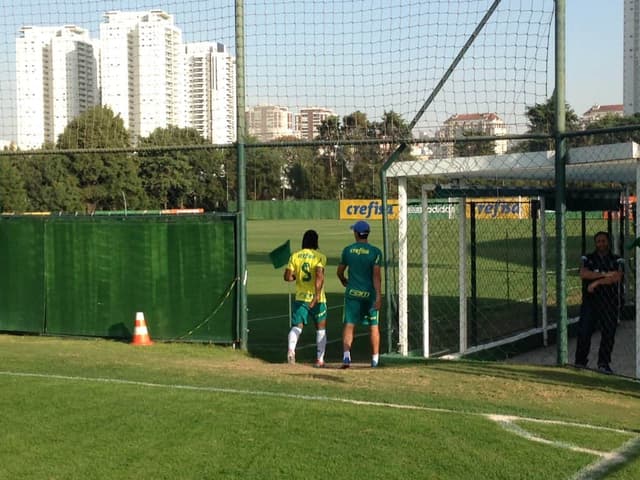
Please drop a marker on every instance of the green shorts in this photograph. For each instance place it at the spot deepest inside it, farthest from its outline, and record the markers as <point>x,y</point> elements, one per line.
<point>301,313</point>
<point>359,312</point>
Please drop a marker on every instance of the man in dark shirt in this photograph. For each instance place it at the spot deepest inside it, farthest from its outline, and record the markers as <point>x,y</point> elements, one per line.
<point>601,274</point>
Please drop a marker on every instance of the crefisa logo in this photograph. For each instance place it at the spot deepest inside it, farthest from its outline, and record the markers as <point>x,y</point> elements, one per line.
<point>367,209</point>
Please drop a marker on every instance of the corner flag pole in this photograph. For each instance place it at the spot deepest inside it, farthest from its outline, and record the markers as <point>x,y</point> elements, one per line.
<point>279,258</point>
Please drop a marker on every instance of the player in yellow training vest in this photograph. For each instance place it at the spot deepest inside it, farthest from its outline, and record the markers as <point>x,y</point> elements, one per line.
<point>306,267</point>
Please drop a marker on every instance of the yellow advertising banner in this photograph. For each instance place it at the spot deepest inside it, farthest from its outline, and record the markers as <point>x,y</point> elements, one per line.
<point>504,207</point>
<point>367,209</point>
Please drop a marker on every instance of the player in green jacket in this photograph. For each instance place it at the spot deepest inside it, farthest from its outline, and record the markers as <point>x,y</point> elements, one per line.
<point>362,297</point>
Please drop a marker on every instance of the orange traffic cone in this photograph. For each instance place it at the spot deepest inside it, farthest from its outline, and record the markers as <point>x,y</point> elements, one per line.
<point>140,332</point>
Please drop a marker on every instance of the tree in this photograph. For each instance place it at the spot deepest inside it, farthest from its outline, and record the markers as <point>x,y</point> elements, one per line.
<point>50,185</point>
<point>542,120</point>
<point>295,174</point>
<point>354,169</point>
<point>97,127</point>
<point>13,194</point>
<point>355,125</point>
<point>469,149</point>
<point>265,169</point>
<point>107,181</point>
<point>176,178</point>
<point>392,126</point>
<point>610,121</point>
<point>330,129</point>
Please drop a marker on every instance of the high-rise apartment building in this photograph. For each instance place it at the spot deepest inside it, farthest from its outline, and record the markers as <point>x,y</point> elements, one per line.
<point>210,91</point>
<point>143,70</point>
<point>309,119</point>
<point>268,122</point>
<point>631,57</point>
<point>57,79</point>
<point>140,68</point>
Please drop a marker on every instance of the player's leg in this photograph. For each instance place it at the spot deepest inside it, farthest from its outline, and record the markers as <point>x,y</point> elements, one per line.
<point>374,336</point>
<point>608,322</point>
<point>350,316</point>
<point>583,340</point>
<point>347,340</point>
<point>320,316</point>
<point>298,320</point>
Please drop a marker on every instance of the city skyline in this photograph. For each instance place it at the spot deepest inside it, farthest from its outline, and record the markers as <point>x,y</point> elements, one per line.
<point>139,67</point>
<point>594,62</point>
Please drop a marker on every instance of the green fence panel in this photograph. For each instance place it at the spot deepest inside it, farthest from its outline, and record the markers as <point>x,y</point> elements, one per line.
<point>178,271</point>
<point>292,209</point>
<point>22,304</point>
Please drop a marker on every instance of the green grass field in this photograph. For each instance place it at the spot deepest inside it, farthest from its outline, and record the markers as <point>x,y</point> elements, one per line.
<point>504,282</point>
<point>269,293</point>
<point>78,409</point>
<point>100,409</point>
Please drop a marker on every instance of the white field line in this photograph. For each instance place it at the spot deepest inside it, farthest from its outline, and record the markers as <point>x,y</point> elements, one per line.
<point>508,422</point>
<point>600,468</point>
<point>606,460</point>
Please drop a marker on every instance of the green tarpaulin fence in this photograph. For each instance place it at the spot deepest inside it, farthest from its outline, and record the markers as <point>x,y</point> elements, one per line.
<point>89,276</point>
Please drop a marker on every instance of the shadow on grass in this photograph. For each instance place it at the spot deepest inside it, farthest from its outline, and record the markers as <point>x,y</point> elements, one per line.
<point>494,319</point>
<point>269,326</point>
<point>551,375</point>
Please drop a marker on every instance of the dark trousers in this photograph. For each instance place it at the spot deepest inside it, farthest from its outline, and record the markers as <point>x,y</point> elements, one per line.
<point>596,315</point>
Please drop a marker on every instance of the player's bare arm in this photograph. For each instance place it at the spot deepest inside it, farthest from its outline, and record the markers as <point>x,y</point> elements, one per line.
<point>341,276</point>
<point>289,276</point>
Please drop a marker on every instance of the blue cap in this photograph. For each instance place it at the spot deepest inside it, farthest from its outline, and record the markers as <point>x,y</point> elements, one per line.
<point>360,227</point>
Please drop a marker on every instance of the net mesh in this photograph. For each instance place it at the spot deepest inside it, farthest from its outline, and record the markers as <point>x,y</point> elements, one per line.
<point>135,108</point>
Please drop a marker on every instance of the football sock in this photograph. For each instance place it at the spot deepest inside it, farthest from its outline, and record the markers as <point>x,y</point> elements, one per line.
<point>346,357</point>
<point>375,358</point>
<point>294,334</point>
<point>321,342</point>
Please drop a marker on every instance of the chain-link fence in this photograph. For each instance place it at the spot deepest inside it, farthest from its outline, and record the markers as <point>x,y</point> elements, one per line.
<point>481,266</point>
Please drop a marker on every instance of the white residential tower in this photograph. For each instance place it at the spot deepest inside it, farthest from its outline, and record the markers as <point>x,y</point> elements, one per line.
<point>143,70</point>
<point>210,91</point>
<point>56,80</point>
<point>631,59</point>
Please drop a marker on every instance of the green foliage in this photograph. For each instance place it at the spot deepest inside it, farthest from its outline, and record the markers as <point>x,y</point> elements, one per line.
<point>470,149</point>
<point>97,127</point>
<point>611,121</point>
<point>50,184</point>
<point>167,176</point>
<point>265,173</point>
<point>298,162</point>
<point>184,178</point>
<point>392,126</point>
<point>353,171</point>
<point>107,181</point>
<point>541,120</point>
<point>215,177</point>
<point>13,194</point>
<point>175,168</point>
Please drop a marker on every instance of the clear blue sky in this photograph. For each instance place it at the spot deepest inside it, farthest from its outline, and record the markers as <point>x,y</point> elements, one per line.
<point>594,49</point>
<point>594,52</point>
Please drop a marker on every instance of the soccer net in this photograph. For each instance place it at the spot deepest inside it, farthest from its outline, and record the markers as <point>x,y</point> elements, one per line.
<point>135,107</point>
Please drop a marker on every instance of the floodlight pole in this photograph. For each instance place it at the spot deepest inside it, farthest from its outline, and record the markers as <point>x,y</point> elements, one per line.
<point>560,174</point>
